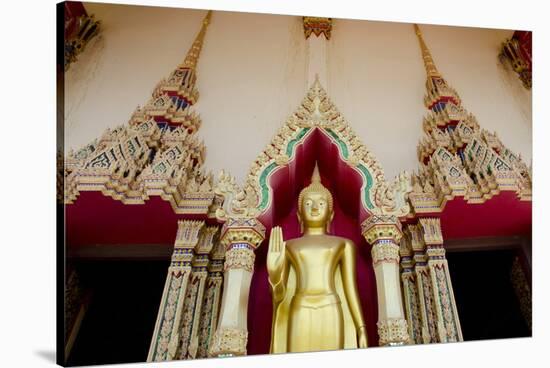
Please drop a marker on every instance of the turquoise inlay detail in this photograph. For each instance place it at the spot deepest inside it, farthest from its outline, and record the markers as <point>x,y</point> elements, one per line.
<point>361,167</point>
<point>263,185</point>
<point>368,186</point>
<point>341,144</point>
<point>293,142</point>
<point>264,188</point>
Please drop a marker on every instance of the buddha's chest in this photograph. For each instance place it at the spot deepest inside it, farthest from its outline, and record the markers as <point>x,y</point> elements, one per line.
<point>318,253</point>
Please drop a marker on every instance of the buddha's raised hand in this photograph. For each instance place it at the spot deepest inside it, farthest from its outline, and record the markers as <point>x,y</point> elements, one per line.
<point>276,253</point>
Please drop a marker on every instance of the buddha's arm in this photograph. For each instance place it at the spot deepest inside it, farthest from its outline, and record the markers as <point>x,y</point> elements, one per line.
<point>348,270</point>
<point>278,283</point>
<point>277,264</point>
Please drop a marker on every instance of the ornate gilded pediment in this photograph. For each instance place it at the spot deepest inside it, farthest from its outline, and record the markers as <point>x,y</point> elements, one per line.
<point>317,111</point>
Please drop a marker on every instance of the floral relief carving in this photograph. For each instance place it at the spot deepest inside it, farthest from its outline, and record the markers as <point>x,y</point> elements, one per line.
<point>239,258</point>
<point>230,341</point>
<point>393,331</point>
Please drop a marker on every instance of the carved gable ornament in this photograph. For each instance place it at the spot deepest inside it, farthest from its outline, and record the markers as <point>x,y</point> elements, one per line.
<point>315,112</point>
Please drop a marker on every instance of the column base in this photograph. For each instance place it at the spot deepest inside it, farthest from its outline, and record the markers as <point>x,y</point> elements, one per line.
<point>393,332</point>
<point>229,342</point>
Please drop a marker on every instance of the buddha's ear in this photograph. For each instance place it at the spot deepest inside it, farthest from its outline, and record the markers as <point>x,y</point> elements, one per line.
<point>300,222</point>
<point>327,227</point>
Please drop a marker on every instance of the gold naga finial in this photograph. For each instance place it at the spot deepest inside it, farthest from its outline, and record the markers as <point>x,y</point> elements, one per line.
<point>431,69</point>
<point>193,54</point>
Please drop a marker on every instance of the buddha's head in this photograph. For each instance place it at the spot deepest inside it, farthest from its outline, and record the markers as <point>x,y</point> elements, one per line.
<point>315,204</point>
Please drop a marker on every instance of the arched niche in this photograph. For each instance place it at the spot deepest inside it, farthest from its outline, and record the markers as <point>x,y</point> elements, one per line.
<point>346,183</point>
<point>348,188</point>
<point>316,133</point>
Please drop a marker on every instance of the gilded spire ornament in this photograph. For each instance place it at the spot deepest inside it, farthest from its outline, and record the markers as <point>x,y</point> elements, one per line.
<point>431,69</point>
<point>457,157</point>
<point>194,52</point>
<point>173,96</point>
<point>159,149</point>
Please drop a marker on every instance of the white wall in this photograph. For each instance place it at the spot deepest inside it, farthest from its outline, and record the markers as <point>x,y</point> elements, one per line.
<point>377,79</point>
<point>252,75</point>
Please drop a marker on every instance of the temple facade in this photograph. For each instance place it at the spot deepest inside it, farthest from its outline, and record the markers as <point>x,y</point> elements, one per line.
<point>190,135</point>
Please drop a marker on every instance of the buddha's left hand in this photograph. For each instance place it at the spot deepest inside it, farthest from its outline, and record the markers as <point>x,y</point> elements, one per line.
<point>362,337</point>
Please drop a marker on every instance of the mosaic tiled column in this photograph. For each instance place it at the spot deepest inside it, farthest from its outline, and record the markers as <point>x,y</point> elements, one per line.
<point>522,288</point>
<point>448,324</point>
<point>212,298</point>
<point>384,233</point>
<point>77,300</point>
<point>166,337</point>
<point>410,290</point>
<point>423,284</point>
<point>195,293</point>
<point>240,236</point>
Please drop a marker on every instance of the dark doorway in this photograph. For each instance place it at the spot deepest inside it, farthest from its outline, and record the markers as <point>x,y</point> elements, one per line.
<point>120,320</point>
<point>486,301</point>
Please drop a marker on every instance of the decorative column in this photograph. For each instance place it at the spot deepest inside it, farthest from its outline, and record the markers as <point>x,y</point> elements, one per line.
<point>212,298</point>
<point>410,290</point>
<point>166,337</point>
<point>423,284</point>
<point>240,236</point>
<point>448,324</point>
<point>522,289</point>
<point>194,298</point>
<point>77,301</point>
<point>383,233</point>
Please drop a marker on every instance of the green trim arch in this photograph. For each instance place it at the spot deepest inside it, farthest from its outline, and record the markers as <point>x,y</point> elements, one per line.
<point>318,112</point>
<point>368,180</point>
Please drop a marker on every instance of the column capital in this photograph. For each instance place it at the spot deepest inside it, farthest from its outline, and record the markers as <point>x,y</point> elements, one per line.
<point>414,232</point>
<point>206,239</point>
<point>431,228</point>
<point>201,260</point>
<point>237,257</point>
<point>187,238</point>
<point>242,230</point>
<point>378,227</point>
<point>405,247</point>
<point>406,254</point>
<point>188,233</point>
<point>218,251</point>
<point>385,251</point>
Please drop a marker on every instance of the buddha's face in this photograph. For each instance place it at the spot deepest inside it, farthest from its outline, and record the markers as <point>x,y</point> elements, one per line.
<point>315,210</point>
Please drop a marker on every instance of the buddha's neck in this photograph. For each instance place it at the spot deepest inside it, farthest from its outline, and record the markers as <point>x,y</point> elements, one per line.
<point>314,231</point>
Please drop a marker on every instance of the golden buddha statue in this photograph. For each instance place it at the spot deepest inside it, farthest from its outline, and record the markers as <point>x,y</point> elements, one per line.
<point>315,300</point>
